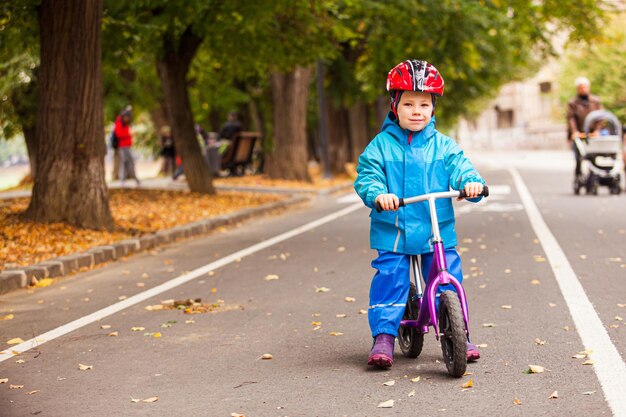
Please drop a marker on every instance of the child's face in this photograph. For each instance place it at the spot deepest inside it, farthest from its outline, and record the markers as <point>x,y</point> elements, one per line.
<point>415,110</point>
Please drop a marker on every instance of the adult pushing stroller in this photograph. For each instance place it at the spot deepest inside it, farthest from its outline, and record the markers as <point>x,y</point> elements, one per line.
<point>601,153</point>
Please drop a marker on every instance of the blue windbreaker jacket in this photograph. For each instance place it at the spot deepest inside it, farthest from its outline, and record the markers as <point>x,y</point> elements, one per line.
<point>429,162</point>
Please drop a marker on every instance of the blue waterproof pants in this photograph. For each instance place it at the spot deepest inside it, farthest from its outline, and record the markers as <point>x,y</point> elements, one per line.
<point>389,290</point>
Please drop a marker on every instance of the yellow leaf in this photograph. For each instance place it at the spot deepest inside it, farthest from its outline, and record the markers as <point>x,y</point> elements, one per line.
<point>84,367</point>
<point>32,392</point>
<point>588,362</point>
<point>489,325</point>
<point>540,342</point>
<point>506,307</point>
<point>267,356</point>
<point>113,334</point>
<point>341,249</point>
<point>156,335</point>
<point>16,386</point>
<point>271,277</point>
<point>105,326</point>
<point>4,380</point>
<point>335,333</point>
<point>389,383</point>
<point>316,323</point>
<point>7,317</point>
<point>350,299</point>
<point>150,400</point>
<point>137,329</point>
<point>322,289</point>
<point>517,401</point>
<point>15,341</point>
<point>341,316</point>
<point>45,282</point>
<point>468,384</point>
<point>416,379</point>
<point>535,369</point>
<point>535,282</point>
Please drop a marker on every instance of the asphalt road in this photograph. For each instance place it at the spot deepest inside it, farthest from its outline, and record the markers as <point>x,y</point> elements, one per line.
<point>272,300</point>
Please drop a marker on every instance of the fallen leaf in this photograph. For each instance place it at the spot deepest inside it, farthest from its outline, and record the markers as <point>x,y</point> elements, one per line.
<point>105,326</point>
<point>84,367</point>
<point>150,400</point>
<point>322,289</point>
<point>389,383</point>
<point>468,384</point>
<point>552,304</point>
<point>540,342</point>
<point>361,311</point>
<point>155,307</point>
<point>618,318</point>
<point>535,282</point>
<point>482,345</point>
<point>267,356</point>
<point>506,307</point>
<point>507,271</point>
<point>137,329</point>
<point>134,400</point>
<point>113,334</point>
<point>316,323</point>
<point>16,386</point>
<point>335,333</point>
<point>386,404</point>
<point>140,285</point>
<point>45,282</point>
<point>554,395</point>
<point>341,249</point>
<point>489,325</point>
<point>20,361</point>
<point>350,299</point>
<point>15,341</point>
<point>589,392</point>
<point>236,415</point>
<point>341,316</point>
<point>7,317</point>
<point>517,401</point>
<point>416,379</point>
<point>412,393</point>
<point>271,277</point>
<point>535,369</point>
<point>539,258</point>
<point>32,392</point>
<point>4,380</point>
<point>588,362</point>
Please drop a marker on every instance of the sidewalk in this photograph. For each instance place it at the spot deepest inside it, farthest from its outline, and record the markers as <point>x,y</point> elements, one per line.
<point>24,276</point>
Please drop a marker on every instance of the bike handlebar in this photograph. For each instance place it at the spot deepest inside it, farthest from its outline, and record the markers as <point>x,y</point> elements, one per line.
<point>426,197</point>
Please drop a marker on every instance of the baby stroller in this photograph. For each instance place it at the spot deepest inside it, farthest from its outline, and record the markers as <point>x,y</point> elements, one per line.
<point>601,156</point>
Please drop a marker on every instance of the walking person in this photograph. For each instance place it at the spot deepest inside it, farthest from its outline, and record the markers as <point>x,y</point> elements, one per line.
<point>577,109</point>
<point>125,142</point>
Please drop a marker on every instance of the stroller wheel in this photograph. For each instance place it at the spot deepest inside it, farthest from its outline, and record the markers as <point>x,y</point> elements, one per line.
<point>592,185</point>
<point>577,186</point>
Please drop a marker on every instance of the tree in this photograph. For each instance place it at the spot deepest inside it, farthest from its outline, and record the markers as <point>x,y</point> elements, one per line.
<point>603,63</point>
<point>70,185</point>
<point>19,57</point>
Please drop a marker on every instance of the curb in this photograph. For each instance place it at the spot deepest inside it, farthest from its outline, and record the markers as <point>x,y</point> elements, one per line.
<point>22,277</point>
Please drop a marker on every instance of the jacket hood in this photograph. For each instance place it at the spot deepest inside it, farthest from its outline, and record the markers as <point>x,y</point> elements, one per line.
<point>391,126</point>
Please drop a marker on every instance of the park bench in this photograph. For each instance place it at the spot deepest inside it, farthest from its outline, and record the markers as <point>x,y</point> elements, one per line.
<point>239,153</point>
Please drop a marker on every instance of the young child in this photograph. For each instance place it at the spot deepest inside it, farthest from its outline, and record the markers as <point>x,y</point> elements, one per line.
<point>409,157</point>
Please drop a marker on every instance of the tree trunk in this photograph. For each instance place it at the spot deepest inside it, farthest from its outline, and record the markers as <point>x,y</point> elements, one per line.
<point>172,68</point>
<point>289,159</point>
<point>338,139</point>
<point>359,130</point>
<point>381,109</point>
<point>24,100</point>
<point>70,184</point>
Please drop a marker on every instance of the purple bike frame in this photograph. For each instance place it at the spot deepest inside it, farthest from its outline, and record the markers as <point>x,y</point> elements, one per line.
<point>438,274</point>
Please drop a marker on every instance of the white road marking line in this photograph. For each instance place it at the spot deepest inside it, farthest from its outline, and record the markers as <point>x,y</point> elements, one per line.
<point>173,283</point>
<point>608,364</point>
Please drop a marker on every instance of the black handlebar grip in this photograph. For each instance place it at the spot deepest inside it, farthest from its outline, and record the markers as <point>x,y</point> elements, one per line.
<point>484,193</point>
<point>380,209</point>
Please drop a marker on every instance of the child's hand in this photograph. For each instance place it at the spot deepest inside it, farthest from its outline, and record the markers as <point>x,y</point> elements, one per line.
<point>472,190</point>
<point>388,201</point>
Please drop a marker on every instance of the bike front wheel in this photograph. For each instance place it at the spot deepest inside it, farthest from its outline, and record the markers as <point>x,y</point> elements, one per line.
<point>452,334</point>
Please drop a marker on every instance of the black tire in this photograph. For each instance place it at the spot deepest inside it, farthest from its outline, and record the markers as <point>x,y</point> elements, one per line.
<point>410,340</point>
<point>452,334</point>
<point>592,185</point>
<point>576,186</point>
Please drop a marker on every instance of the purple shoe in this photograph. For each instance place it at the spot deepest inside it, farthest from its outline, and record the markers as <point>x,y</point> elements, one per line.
<point>382,351</point>
<point>472,352</point>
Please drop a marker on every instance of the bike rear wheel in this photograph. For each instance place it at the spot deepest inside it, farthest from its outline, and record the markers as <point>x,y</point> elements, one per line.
<point>452,334</point>
<point>410,339</point>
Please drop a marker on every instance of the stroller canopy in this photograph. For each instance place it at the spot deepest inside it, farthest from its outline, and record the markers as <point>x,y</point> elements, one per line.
<point>612,124</point>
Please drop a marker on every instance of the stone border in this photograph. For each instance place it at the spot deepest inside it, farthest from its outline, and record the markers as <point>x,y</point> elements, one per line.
<point>22,277</point>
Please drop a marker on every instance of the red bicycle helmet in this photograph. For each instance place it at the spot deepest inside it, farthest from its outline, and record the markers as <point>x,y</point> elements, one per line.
<point>415,75</point>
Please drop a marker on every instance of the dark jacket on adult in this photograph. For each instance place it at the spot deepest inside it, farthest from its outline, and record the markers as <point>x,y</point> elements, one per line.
<point>577,109</point>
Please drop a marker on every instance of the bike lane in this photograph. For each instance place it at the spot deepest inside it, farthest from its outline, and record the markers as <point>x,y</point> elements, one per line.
<point>213,367</point>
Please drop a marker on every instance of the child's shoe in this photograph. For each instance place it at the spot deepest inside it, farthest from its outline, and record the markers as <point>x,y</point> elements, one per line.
<point>472,352</point>
<point>382,351</point>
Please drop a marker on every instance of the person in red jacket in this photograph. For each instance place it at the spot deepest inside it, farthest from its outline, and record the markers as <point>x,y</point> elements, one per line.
<point>125,142</point>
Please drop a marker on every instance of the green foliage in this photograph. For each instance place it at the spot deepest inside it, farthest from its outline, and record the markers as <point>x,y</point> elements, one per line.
<point>603,62</point>
<point>19,59</point>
